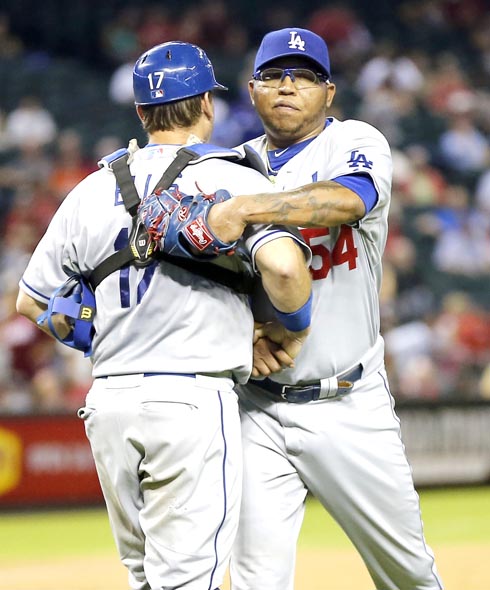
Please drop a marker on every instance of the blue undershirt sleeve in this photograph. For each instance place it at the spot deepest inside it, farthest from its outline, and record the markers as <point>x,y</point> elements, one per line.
<point>362,185</point>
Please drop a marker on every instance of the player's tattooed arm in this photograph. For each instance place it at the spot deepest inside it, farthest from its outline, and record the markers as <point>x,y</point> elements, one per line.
<point>320,204</point>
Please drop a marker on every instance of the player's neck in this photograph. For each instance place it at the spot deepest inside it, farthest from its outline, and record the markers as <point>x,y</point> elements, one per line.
<point>278,142</point>
<point>176,137</point>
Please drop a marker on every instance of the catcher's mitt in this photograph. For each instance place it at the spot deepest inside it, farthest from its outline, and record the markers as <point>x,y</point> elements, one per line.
<point>178,223</point>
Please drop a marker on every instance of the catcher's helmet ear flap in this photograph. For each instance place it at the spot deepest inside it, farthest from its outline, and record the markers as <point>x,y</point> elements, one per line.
<point>172,71</point>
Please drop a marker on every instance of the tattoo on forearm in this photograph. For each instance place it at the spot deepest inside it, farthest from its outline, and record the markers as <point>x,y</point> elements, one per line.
<point>302,206</point>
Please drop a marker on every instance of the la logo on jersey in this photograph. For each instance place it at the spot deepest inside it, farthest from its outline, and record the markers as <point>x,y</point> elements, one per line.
<point>296,42</point>
<point>357,159</point>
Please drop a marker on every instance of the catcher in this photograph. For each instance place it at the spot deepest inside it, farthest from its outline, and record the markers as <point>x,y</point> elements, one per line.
<point>169,335</point>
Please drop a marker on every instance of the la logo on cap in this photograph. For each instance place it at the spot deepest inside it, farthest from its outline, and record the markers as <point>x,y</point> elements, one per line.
<point>296,42</point>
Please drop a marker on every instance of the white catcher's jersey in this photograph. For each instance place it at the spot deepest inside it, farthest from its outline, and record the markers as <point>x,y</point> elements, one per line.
<point>160,318</point>
<point>346,265</point>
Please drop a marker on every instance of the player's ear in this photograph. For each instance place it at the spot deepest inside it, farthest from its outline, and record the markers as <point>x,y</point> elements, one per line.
<point>139,112</point>
<point>331,89</point>
<point>251,91</point>
<point>207,105</point>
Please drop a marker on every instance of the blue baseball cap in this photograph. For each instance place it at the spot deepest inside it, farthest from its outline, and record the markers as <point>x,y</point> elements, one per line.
<point>293,41</point>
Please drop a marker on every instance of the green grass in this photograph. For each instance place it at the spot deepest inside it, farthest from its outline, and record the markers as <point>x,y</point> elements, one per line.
<point>44,534</point>
<point>459,515</point>
<point>450,516</point>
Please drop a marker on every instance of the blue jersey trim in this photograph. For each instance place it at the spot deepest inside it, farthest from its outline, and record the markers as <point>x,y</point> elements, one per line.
<point>363,186</point>
<point>278,157</point>
<point>35,291</point>
<point>266,236</point>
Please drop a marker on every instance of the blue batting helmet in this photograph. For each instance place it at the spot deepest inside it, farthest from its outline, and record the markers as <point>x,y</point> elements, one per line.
<point>172,71</point>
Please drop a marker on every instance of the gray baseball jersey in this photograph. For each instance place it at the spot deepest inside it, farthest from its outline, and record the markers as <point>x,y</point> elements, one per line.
<point>346,265</point>
<point>344,449</point>
<point>161,317</point>
<point>162,415</point>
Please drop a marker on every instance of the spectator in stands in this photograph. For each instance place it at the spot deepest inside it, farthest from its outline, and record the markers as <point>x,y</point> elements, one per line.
<point>156,26</point>
<point>35,383</point>
<point>33,205</point>
<point>11,45</point>
<point>391,64</point>
<point>412,298</point>
<point>274,15</point>
<point>419,376</point>
<point>462,340</point>
<point>105,145</point>
<point>480,40</point>
<point>409,350</point>
<point>237,121</point>
<point>484,383</point>
<point>29,164</point>
<point>69,165</point>
<point>121,84</point>
<point>461,232</point>
<point>482,192</point>
<point>349,39</point>
<point>423,185</point>
<point>26,170</point>
<point>18,242</point>
<point>4,136</point>
<point>445,78</point>
<point>422,23</point>
<point>30,123</point>
<point>189,24</point>
<point>386,107</point>
<point>463,148</point>
<point>463,15</point>
<point>119,37</point>
<point>215,24</point>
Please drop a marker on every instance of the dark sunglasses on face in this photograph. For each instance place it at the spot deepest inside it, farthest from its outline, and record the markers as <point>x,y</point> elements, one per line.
<point>301,77</point>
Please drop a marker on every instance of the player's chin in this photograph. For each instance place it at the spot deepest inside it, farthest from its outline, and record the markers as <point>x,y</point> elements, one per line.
<point>286,127</point>
<point>286,114</point>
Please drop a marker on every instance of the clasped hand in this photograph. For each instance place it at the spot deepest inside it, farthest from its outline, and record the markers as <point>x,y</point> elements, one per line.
<point>275,348</point>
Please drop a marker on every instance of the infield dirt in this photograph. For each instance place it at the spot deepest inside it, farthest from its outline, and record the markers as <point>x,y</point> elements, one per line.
<point>463,568</point>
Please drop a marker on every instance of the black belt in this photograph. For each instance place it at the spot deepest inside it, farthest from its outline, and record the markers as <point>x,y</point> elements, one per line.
<point>301,394</point>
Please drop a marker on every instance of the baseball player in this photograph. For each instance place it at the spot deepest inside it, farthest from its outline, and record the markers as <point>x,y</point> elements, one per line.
<point>162,416</point>
<point>327,425</point>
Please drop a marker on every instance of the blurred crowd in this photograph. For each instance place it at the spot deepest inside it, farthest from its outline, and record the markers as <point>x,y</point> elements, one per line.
<point>419,72</point>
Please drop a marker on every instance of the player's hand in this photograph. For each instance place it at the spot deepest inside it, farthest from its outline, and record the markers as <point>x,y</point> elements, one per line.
<point>290,342</point>
<point>62,325</point>
<point>226,222</point>
<point>269,358</point>
<point>275,348</point>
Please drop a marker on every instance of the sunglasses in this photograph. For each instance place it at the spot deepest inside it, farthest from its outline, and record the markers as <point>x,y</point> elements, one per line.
<point>301,77</point>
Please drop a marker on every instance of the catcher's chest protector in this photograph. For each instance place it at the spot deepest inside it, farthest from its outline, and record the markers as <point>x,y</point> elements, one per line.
<point>140,250</point>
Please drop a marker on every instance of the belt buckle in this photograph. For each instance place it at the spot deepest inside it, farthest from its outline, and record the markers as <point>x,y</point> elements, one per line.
<point>344,387</point>
<point>297,394</point>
